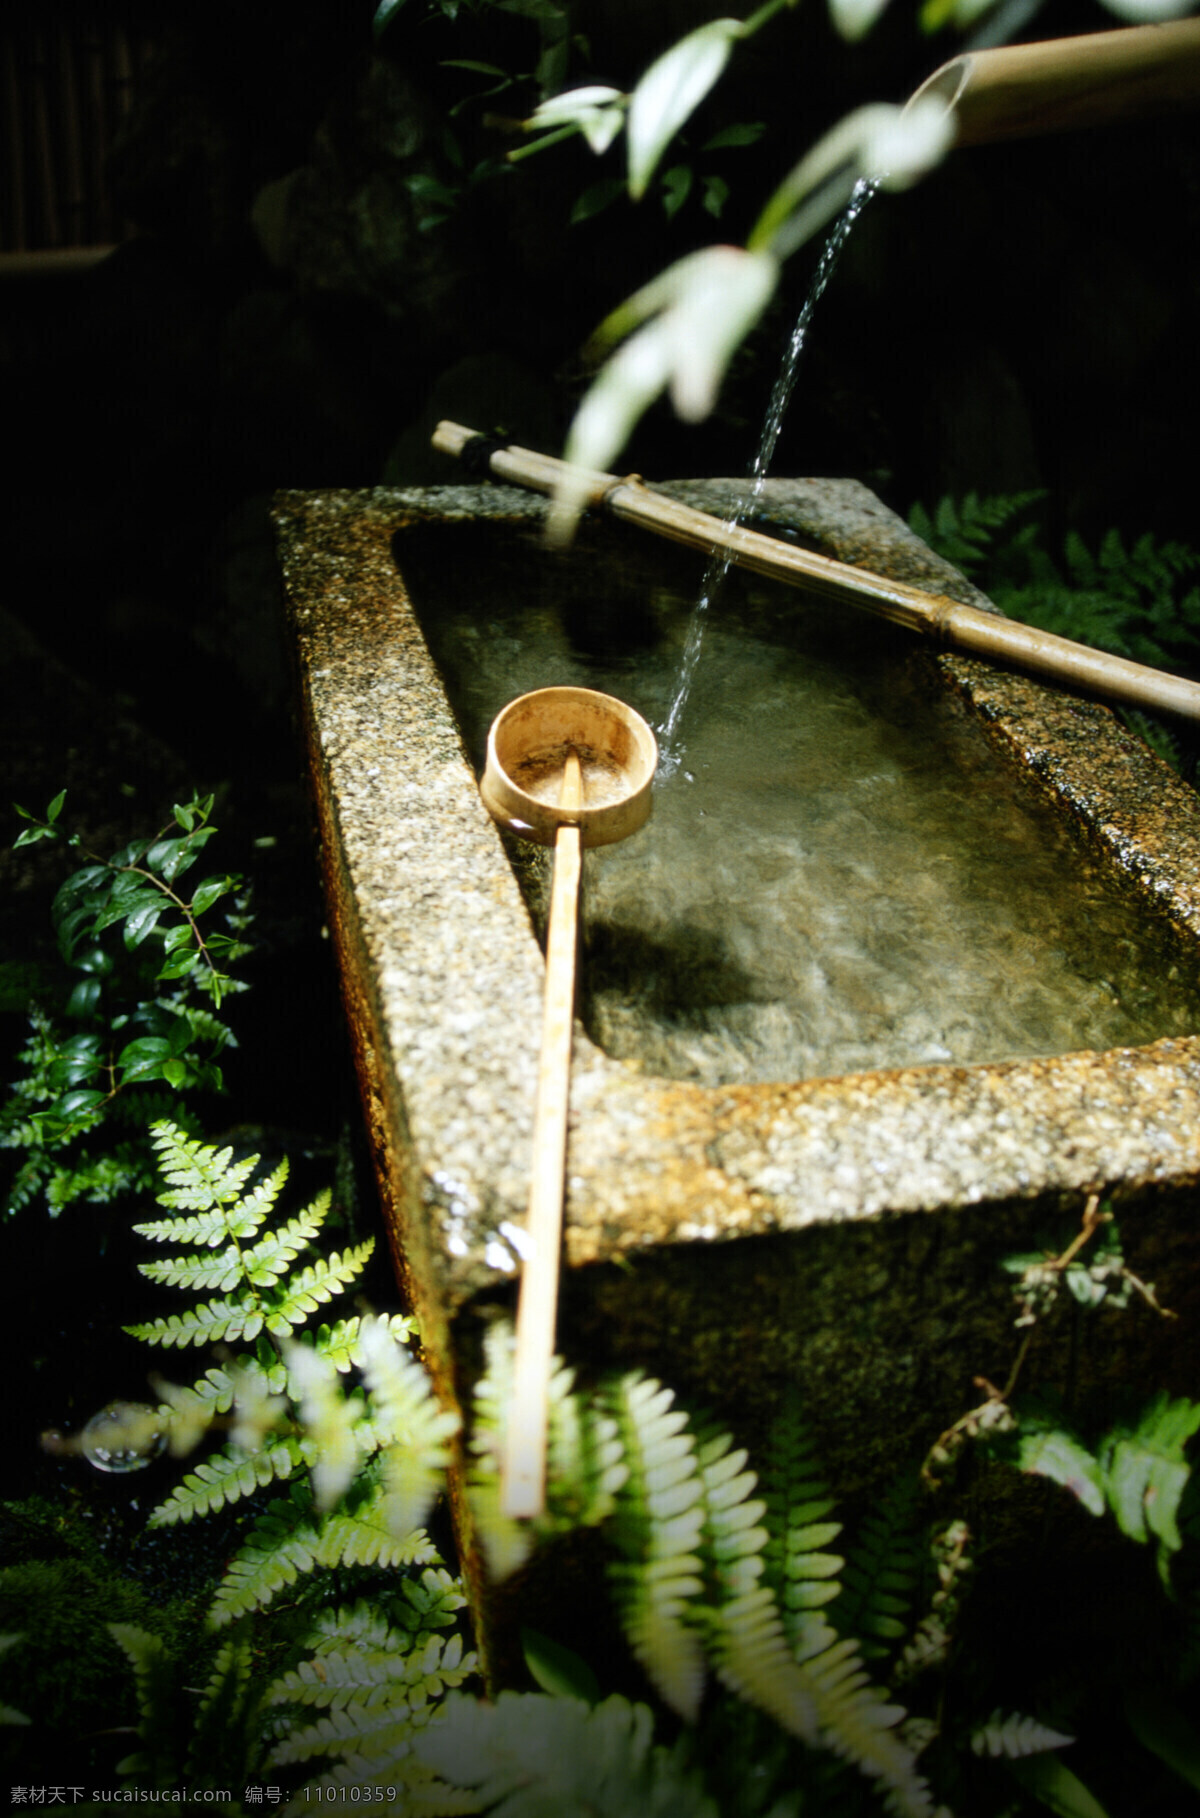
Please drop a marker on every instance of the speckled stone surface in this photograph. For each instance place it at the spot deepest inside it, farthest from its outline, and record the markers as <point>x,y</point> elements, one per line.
<point>443,978</point>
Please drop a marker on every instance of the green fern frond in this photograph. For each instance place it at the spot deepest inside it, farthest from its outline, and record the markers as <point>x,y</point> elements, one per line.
<point>421,1606</point>
<point>330,1419</point>
<point>968,532</point>
<point>314,1285</point>
<point>657,1527</point>
<point>198,1272</point>
<point>368,1678</point>
<point>210,1323</point>
<point>225,1479</point>
<point>289,1540</point>
<point>210,1227</point>
<point>416,1431</point>
<point>882,1575</point>
<point>147,1655</point>
<point>339,1342</point>
<point>1145,1471</point>
<point>199,1175</point>
<point>856,1721</point>
<point>1015,1736</point>
<point>429,1602</point>
<point>267,1260</point>
<point>221,1731</point>
<point>584,1461</point>
<point>801,1574</point>
<point>530,1756</point>
<point>506,1543</point>
<point>585,1464</point>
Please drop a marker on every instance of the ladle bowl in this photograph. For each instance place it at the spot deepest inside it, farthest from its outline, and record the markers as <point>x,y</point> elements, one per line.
<point>526,764</point>
<point>566,767</point>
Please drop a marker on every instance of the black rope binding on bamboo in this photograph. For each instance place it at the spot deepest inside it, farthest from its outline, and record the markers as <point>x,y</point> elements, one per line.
<point>476,455</point>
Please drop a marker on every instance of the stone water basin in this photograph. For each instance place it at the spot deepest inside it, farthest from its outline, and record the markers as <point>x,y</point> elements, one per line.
<point>801,1136</point>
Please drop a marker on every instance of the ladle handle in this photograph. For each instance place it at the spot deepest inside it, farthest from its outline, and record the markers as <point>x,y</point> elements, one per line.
<point>523,1483</point>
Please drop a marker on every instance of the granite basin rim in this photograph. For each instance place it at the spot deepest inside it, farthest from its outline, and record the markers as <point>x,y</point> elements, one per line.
<point>655,1162</point>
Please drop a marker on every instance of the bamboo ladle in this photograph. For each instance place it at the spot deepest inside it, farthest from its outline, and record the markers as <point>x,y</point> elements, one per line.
<point>568,768</point>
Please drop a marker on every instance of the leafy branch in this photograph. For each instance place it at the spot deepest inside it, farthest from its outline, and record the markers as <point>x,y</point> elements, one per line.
<point>122,1020</point>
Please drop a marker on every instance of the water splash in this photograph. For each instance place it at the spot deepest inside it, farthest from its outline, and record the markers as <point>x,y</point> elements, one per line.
<point>720,560</point>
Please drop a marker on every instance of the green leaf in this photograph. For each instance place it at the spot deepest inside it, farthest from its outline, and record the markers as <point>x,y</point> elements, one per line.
<point>1045,1448</point>
<point>84,998</point>
<point>178,966</point>
<point>78,1103</point>
<point>144,1058</point>
<point>184,816</point>
<point>482,69</point>
<point>385,12</point>
<point>595,197</point>
<point>55,808</point>
<point>558,1669</point>
<point>207,893</point>
<point>1145,1472</point>
<point>669,93</point>
<point>1058,1789</point>
<point>676,186</point>
<point>142,922</point>
<point>716,194</point>
<point>745,133</point>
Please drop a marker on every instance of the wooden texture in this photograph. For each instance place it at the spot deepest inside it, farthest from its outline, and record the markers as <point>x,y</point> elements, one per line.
<point>1019,91</point>
<point>524,1476</point>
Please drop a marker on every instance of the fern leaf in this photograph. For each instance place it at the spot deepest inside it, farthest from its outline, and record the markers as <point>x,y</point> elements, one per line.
<point>225,1479</point>
<point>506,1543</point>
<point>366,1537</point>
<point>224,1271</point>
<point>369,1736</point>
<point>534,1755</point>
<point>329,1420</point>
<point>224,1716</point>
<point>746,1632</point>
<point>801,1574</point>
<point>882,1573</point>
<point>210,1227</point>
<point>585,1465</point>
<point>289,1540</point>
<point>1014,1736</point>
<point>206,1324</point>
<point>339,1342</point>
<point>368,1680</point>
<point>1145,1471</point>
<point>201,1177</point>
<point>429,1602</point>
<point>319,1282</point>
<point>147,1655</point>
<point>857,1723</point>
<point>657,1526</point>
<point>272,1255</point>
<point>417,1431</point>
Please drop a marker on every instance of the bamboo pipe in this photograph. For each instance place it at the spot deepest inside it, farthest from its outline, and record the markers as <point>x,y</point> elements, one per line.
<point>945,621</point>
<point>1020,90</point>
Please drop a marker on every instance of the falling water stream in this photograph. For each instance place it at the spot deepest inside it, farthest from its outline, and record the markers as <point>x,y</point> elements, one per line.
<point>720,561</point>
<point>844,877</point>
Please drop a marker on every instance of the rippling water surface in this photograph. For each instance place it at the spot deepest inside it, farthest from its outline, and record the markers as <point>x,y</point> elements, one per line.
<point>838,873</point>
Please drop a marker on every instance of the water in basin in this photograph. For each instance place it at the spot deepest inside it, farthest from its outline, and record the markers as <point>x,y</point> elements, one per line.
<point>839,874</point>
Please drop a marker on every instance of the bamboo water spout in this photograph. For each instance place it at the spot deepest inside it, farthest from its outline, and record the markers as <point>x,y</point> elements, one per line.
<point>1020,90</point>
<point>945,621</point>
